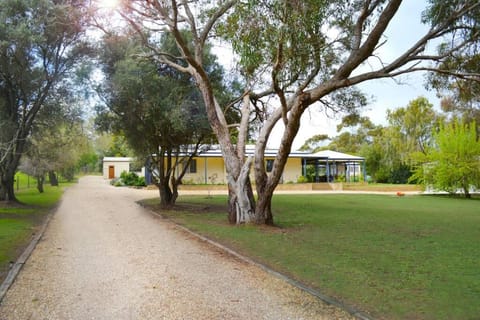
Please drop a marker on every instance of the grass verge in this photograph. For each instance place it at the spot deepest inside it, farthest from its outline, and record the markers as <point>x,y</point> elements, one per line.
<point>19,222</point>
<point>413,257</point>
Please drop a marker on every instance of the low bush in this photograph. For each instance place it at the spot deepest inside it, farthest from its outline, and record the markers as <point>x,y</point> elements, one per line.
<point>130,179</point>
<point>302,179</point>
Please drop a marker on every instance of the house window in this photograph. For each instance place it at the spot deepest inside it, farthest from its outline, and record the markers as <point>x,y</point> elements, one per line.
<point>193,166</point>
<point>269,165</point>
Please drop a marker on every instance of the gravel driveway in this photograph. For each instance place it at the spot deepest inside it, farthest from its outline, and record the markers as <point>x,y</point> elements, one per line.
<point>104,257</point>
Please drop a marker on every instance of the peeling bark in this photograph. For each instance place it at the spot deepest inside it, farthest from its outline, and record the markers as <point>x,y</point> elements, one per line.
<point>241,199</point>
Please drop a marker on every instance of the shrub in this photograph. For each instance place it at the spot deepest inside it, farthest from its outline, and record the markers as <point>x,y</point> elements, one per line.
<point>117,182</point>
<point>132,179</point>
<point>302,179</point>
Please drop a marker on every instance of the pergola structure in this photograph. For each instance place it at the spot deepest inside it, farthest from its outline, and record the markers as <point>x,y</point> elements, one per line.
<point>330,165</point>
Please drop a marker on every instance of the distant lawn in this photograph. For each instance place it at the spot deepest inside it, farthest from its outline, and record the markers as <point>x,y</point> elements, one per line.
<point>413,257</point>
<point>18,223</point>
<point>381,187</point>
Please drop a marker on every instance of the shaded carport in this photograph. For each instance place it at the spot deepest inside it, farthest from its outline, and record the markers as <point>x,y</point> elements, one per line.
<point>330,165</point>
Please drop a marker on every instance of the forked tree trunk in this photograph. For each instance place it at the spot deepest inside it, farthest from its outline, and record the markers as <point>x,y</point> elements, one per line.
<point>241,201</point>
<point>241,204</point>
<point>167,197</point>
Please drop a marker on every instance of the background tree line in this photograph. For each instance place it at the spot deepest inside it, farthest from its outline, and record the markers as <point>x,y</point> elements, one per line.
<point>398,151</point>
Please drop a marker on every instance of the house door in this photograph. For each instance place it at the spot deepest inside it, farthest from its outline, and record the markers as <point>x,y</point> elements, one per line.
<point>111,172</point>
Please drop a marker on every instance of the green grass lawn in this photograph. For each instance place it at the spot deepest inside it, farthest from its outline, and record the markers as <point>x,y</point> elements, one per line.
<point>18,223</point>
<point>413,257</point>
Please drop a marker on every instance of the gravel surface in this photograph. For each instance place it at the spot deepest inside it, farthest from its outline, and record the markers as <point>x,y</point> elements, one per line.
<point>104,257</point>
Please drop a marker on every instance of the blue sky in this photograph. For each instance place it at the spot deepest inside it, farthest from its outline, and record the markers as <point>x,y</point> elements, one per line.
<point>384,94</point>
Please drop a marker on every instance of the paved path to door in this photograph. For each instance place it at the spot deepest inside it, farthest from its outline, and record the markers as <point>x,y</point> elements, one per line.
<point>104,257</point>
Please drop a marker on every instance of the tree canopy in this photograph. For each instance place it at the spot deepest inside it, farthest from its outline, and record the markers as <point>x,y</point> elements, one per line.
<point>293,55</point>
<point>453,162</point>
<point>40,44</point>
<point>156,108</point>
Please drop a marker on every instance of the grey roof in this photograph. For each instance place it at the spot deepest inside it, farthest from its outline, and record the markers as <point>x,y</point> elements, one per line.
<point>215,151</point>
<point>334,155</point>
<point>117,159</point>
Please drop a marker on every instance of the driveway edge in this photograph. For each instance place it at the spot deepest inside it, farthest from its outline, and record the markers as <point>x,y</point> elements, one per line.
<point>17,266</point>
<point>328,300</point>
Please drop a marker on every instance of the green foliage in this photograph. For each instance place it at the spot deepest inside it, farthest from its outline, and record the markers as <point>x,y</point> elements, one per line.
<point>88,162</point>
<point>130,179</point>
<point>16,224</point>
<point>157,108</point>
<point>302,179</point>
<point>314,142</point>
<point>151,105</point>
<point>453,163</point>
<point>40,45</point>
<point>461,95</point>
<point>294,25</point>
<point>388,151</point>
<point>413,126</point>
<point>117,145</point>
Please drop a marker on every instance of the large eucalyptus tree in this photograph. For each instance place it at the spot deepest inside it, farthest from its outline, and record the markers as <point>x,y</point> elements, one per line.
<point>300,53</point>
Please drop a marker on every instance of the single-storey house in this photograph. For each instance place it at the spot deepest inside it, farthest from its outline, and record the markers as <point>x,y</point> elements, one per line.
<point>328,166</point>
<point>114,166</point>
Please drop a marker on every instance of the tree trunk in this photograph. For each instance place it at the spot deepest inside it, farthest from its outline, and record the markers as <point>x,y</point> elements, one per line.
<point>40,180</point>
<point>7,188</point>
<point>52,176</point>
<point>174,189</point>
<point>232,206</point>
<point>263,209</point>
<point>241,203</point>
<point>166,195</point>
<point>466,190</point>
<point>266,184</point>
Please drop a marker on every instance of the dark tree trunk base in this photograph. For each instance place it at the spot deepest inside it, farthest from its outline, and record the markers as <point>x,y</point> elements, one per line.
<point>53,179</point>
<point>7,190</point>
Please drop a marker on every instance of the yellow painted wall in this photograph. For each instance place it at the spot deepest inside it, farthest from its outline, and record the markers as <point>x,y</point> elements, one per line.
<point>215,167</point>
<point>215,172</point>
<point>293,170</point>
